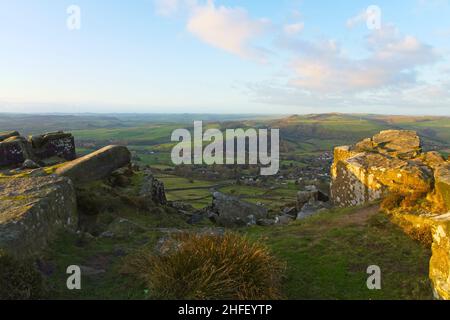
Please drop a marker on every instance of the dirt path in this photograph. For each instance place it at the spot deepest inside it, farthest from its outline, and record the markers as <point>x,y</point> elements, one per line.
<point>358,217</point>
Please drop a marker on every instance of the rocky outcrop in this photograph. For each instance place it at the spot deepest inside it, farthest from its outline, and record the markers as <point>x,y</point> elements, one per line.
<point>311,201</point>
<point>57,144</point>
<point>392,164</point>
<point>32,210</point>
<point>230,211</point>
<point>97,165</point>
<point>378,166</point>
<point>15,149</point>
<point>153,189</point>
<point>442,184</point>
<point>6,135</point>
<point>440,259</point>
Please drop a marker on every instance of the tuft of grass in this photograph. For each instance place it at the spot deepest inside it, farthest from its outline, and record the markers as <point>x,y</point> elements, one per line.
<point>205,266</point>
<point>19,280</point>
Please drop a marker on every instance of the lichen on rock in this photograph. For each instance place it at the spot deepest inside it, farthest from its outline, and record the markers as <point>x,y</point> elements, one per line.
<point>415,186</point>
<point>32,210</point>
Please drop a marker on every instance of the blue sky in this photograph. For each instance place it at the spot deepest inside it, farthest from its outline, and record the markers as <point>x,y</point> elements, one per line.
<point>205,56</point>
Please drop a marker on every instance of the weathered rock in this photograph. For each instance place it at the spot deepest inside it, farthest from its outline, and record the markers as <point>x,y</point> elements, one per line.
<point>30,164</point>
<point>401,144</point>
<point>442,186</point>
<point>284,219</point>
<point>440,259</point>
<point>304,197</point>
<point>291,211</point>
<point>392,163</point>
<point>32,210</point>
<point>232,211</point>
<point>311,209</point>
<point>438,227</point>
<point>432,159</point>
<point>55,144</point>
<point>13,151</point>
<point>153,189</point>
<point>359,177</point>
<point>97,165</point>
<point>6,135</point>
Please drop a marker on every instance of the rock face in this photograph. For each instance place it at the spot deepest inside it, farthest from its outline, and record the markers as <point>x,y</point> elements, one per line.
<point>15,149</point>
<point>6,135</point>
<point>97,165</point>
<point>392,163</point>
<point>32,210</point>
<point>440,260</point>
<point>153,189</point>
<point>375,167</point>
<point>442,183</point>
<point>58,144</point>
<point>230,211</point>
<point>310,202</point>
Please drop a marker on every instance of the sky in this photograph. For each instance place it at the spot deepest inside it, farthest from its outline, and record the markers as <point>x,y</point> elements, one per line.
<point>218,56</point>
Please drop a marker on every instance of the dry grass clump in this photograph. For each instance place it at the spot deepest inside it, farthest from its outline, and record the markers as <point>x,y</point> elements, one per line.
<point>205,266</point>
<point>19,280</point>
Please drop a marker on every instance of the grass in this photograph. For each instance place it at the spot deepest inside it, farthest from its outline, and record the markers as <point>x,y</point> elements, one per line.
<point>328,255</point>
<point>199,266</point>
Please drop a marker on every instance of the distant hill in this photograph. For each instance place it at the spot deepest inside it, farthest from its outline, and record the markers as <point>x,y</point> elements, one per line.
<point>301,133</point>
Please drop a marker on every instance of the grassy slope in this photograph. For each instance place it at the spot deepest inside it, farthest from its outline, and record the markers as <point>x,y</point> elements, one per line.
<point>327,257</point>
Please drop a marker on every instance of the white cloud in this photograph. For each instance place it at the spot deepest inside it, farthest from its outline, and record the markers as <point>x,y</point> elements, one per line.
<point>393,59</point>
<point>229,29</point>
<point>359,18</point>
<point>294,28</point>
<point>389,75</point>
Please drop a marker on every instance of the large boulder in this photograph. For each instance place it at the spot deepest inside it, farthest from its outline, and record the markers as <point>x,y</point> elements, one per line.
<point>307,196</point>
<point>392,163</point>
<point>55,144</point>
<point>230,211</point>
<point>376,167</point>
<point>13,151</point>
<point>398,143</point>
<point>440,259</point>
<point>442,186</point>
<point>97,165</point>
<point>9,134</point>
<point>32,210</point>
